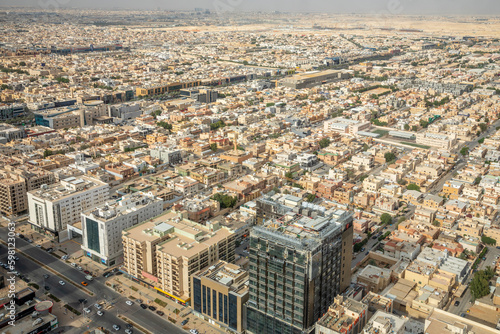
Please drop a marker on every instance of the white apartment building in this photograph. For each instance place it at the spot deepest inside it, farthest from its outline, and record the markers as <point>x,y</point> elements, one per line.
<point>102,226</point>
<point>52,208</point>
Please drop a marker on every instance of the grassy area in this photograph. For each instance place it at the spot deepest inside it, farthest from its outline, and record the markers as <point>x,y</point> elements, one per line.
<point>416,145</point>
<point>380,132</point>
<point>160,302</point>
<point>54,297</point>
<point>72,309</point>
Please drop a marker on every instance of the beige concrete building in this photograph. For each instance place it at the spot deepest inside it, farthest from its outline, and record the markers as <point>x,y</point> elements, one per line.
<point>15,182</point>
<point>344,316</point>
<point>165,251</point>
<point>219,292</point>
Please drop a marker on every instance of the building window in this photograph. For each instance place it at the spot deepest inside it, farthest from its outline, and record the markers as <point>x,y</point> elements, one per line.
<point>204,299</point>
<point>225,310</point>
<point>221,311</point>
<point>93,235</point>
<point>197,295</point>
<point>209,304</point>
<point>214,301</point>
<point>233,312</point>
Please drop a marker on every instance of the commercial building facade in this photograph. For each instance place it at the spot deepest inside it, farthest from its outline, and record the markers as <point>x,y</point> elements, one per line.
<point>219,293</point>
<point>53,207</point>
<point>296,267</point>
<point>102,226</point>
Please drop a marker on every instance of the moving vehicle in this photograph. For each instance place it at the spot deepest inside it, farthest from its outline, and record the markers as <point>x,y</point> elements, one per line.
<point>62,282</point>
<point>100,313</point>
<point>85,283</point>
<point>129,302</point>
<point>116,327</point>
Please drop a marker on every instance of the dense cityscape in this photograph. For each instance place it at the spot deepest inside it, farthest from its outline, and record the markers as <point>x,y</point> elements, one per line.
<point>219,171</point>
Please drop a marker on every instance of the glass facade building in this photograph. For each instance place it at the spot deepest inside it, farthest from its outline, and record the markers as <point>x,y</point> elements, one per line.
<point>295,271</point>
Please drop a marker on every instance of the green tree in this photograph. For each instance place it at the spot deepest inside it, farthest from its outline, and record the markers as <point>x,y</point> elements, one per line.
<point>483,127</point>
<point>156,113</point>
<point>289,175</point>
<point>424,123</point>
<point>464,151</point>
<point>213,147</point>
<point>480,141</point>
<point>488,241</point>
<point>324,142</point>
<point>164,125</point>
<point>479,286</point>
<point>414,128</point>
<point>413,186</point>
<point>389,156</point>
<point>47,153</point>
<point>386,219</point>
<point>225,201</point>
<point>310,198</point>
<point>407,127</point>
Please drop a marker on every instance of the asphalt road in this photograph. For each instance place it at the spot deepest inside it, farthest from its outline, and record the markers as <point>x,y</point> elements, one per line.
<point>70,295</point>
<point>464,301</point>
<point>374,242</point>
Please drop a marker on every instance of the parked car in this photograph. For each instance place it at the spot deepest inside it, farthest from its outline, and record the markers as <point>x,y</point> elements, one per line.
<point>152,308</point>
<point>139,301</point>
<point>86,272</point>
<point>97,306</point>
<point>184,322</point>
<point>85,283</point>
<point>79,268</point>
<point>457,303</point>
<point>160,313</point>
<point>47,287</point>
<point>116,327</point>
<point>129,331</point>
<point>46,276</point>
<point>73,264</point>
<point>62,282</point>
<point>100,313</point>
<point>144,306</point>
<point>86,310</point>
<point>38,246</point>
<point>129,302</point>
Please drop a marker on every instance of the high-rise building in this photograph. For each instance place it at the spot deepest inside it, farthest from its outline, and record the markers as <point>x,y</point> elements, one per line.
<point>165,251</point>
<point>102,226</point>
<point>297,264</point>
<point>53,207</point>
<point>15,182</point>
<point>219,293</point>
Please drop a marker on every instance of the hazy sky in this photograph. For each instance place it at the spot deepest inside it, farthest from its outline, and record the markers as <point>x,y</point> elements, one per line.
<point>469,7</point>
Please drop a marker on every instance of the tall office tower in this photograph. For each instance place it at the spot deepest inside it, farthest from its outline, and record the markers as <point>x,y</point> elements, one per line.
<point>296,268</point>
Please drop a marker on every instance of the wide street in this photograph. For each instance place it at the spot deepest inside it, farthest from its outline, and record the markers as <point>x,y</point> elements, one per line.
<point>70,295</point>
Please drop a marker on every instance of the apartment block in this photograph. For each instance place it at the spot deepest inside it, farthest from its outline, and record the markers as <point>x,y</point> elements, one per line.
<point>15,182</point>
<point>102,226</point>
<point>165,251</point>
<point>52,208</point>
<point>219,292</point>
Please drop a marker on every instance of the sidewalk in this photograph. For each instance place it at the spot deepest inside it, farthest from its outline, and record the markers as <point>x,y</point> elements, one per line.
<point>172,310</point>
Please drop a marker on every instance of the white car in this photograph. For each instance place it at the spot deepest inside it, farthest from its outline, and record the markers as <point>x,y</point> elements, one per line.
<point>116,327</point>
<point>128,331</point>
<point>193,331</point>
<point>80,268</point>
<point>38,246</point>
<point>86,310</point>
<point>128,302</point>
<point>97,306</point>
<point>100,313</point>
<point>61,282</point>
<point>73,264</point>
<point>64,257</point>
